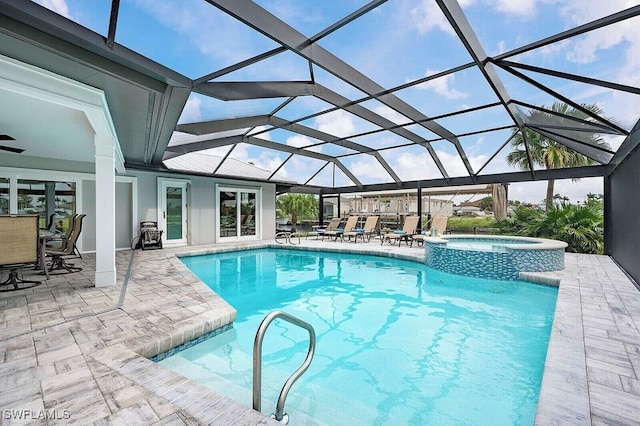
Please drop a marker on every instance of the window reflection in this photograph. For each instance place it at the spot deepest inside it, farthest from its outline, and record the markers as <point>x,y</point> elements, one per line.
<point>174,213</point>
<point>248,209</point>
<point>238,213</point>
<point>48,199</point>
<point>228,213</point>
<point>4,195</point>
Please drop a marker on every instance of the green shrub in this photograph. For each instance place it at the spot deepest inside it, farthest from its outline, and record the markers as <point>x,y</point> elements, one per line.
<point>580,226</point>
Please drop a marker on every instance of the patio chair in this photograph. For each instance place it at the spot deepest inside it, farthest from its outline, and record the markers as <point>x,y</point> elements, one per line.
<point>408,229</point>
<point>60,238</point>
<point>336,233</point>
<point>370,227</point>
<point>67,249</point>
<point>333,224</point>
<point>18,250</point>
<point>437,227</point>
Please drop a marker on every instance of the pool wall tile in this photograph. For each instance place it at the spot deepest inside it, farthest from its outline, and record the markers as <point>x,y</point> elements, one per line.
<point>505,264</point>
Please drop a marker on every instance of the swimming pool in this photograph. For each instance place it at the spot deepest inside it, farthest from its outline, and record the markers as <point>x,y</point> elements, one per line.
<point>398,342</point>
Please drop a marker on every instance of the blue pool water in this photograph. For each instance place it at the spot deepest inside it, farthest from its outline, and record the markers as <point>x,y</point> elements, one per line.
<point>398,342</point>
<point>493,244</point>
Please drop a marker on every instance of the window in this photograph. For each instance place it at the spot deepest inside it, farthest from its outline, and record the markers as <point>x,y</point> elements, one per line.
<point>46,198</point>
<point>4,196</point>
<point>238,212</point>
<point>228,214</point>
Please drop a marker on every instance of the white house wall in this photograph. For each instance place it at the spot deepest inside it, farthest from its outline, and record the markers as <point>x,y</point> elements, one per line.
<point>88,234</point>
<point>202,203</point>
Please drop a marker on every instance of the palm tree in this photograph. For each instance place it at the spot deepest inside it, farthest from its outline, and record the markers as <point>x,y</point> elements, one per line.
<point>298,206</point>
<point>547,152</point>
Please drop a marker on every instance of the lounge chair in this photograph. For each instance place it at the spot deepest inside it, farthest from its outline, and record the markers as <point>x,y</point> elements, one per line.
<point>408,230</point>
<point>437,227</point>
<point>68,248</point>
<point>333,224</point>
<point>336,233</point>
<point>247,225</point>
<point>370,227</point>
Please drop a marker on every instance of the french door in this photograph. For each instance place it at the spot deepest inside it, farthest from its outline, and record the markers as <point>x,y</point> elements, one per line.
<point>172,210</point>
<point>237,213</point>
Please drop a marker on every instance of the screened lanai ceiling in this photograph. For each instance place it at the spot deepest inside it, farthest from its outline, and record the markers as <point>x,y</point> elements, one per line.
<point>352,96</point>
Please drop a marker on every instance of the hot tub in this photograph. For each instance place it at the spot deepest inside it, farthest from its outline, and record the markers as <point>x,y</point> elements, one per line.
<point>493,256</point>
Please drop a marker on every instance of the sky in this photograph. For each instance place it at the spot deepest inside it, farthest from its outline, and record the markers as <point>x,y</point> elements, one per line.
<point>399,42</point>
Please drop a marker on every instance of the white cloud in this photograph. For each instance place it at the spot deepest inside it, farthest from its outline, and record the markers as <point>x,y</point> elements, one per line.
<point>586,48</point>
<point>191,112</point>
<point>338,123</point>
<point>521,8</point>
<point>410,166</point>
<point>369,169</point>
<point>266,160</point>
<point>535,192</point>
<point>442,86</point>
<point>620,41</point>
<point>266,135</point>
<point>300,141</point>
<point>390,114</point>
<point>189,22</point>
<point>502,47</point>
<point>58,6</point>
<point>428,16</point>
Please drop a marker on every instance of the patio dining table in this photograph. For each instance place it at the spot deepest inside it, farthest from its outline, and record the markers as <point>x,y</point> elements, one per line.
<point>44,235</point>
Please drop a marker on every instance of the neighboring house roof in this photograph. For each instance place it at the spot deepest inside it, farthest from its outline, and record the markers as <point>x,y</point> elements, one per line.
<point>197,162</point>
<point>475,203</point>
<point>469,208</point>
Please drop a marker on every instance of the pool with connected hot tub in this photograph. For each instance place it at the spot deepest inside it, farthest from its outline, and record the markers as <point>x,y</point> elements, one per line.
<point>493,256</point>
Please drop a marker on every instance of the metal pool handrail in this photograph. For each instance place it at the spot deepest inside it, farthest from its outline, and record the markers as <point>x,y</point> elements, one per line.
<point>279,415</point>
<point>288,237</point>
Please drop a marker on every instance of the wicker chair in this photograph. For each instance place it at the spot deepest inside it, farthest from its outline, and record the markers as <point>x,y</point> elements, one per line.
<point>19,249</point>
<point>67,249</point>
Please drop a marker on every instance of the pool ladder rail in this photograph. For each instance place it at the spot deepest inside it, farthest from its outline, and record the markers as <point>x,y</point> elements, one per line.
<point>283,237</point>
<point>279,415</point>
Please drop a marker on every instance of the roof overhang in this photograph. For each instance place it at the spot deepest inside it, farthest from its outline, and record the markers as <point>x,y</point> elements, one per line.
<point>76,114</point>
<point>145,98</point>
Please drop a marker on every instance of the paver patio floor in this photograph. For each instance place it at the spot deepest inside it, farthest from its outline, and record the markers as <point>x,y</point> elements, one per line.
<point>79,353</point>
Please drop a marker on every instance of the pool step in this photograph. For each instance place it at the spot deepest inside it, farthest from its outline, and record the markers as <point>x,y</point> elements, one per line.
<point>228,370</point>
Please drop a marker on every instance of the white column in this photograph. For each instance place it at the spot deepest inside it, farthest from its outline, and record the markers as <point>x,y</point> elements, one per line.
<point>105,212</point>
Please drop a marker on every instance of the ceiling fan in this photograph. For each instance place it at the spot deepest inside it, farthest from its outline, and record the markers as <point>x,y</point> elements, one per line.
<point>9,148</point>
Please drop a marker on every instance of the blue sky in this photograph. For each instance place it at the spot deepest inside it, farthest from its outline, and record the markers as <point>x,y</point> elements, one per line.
<point>399,42</point>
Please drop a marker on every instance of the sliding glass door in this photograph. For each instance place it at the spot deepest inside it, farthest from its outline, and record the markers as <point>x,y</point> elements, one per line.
<point>238,211</point>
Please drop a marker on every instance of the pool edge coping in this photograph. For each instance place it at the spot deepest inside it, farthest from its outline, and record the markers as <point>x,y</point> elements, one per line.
<point>565,337</point>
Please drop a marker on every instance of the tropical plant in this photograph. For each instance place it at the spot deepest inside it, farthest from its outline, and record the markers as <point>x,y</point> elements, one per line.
<point>24,202</point>
<point>549,153</point>
<point>486,204</point>
<point>298,206</point>
<point>580,226</point>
